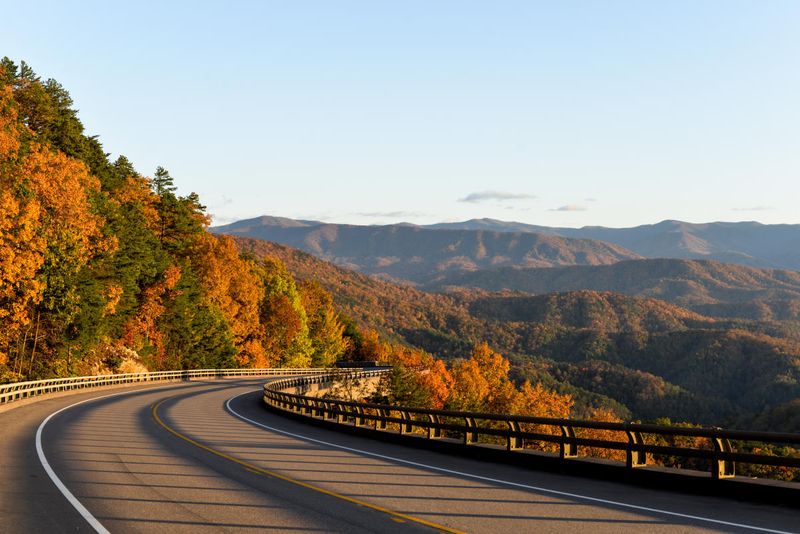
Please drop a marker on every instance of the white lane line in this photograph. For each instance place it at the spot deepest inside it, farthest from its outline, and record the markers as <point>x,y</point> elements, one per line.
<point>86,514</point>
<point>499,481</point>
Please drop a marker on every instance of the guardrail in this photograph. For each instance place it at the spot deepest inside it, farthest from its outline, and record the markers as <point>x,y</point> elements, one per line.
<point>20,390</point>
<point>515,431</point>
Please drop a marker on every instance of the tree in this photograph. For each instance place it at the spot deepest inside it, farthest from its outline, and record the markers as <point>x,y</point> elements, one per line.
<point>417,379</point>
<point>283,319</point>
<point>481,383</point>
<point>196,334</point>
<point>163,184</point>
<point>231,284</point>
<point>324,327</point>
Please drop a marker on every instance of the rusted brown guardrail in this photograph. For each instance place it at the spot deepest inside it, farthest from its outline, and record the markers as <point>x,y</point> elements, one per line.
<point>20,390</point>
<point>515,430</point>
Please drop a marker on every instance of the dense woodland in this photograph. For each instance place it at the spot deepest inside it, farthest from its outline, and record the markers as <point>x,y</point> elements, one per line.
<point>103,268</point>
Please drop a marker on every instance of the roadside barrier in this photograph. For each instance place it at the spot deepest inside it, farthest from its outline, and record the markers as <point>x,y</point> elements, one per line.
<point>21,390</point>
<point>714,447</point>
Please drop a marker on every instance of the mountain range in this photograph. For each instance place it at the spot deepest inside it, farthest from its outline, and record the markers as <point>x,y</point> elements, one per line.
<point>415,254</point>
<point>421,254</point>
<point>746,243</point>
<point>708,287</point>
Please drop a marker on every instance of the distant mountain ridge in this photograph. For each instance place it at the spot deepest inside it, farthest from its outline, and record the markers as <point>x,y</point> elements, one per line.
<point>745,243</point>
<point>775,246</point>
<point>417,254</point>
<point>708,287</point>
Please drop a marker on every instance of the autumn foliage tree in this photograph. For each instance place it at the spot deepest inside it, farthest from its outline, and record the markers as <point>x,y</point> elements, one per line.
<point>325,329</point>
<point>417,379</point>
<point>94,255</point>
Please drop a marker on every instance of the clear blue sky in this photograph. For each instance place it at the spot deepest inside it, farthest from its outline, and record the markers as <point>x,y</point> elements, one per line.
<point>559,113</point>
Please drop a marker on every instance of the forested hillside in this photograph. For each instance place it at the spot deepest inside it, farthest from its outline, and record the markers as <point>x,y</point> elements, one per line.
<point>744,243</point>
<point>102,268</point>
<point>709,287</point>
<point>643,358</point>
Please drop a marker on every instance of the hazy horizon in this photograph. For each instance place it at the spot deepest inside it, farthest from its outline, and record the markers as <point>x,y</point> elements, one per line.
<point>397,222</point>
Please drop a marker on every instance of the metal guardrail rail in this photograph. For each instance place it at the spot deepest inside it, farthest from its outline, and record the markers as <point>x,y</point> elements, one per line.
<point>20,390</point>
<point>515,430</point>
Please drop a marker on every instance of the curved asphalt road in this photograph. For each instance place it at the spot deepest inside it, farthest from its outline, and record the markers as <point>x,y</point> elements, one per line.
<point>194,466</point>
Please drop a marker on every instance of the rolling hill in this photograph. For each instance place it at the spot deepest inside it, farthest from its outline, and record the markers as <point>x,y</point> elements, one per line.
<point>414,254</point>
<point>745,243</point>
<point>709,287</point>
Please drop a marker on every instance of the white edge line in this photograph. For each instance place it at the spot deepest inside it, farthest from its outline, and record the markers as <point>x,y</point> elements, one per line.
<point>499,481</point>
<point>81,509</point>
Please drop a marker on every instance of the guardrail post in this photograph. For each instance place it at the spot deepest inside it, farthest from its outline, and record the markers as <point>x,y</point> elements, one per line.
<point>721,468</point>
<point>341,416</point>
<point>635,457</point>
<point>569,449</point>
<point>513,442</point>
<point>360,420</point>
<point>406,427</point>
<point>381,422</point>
<point>319,409</point>
<point>328,414</point>
<point>434,432</point>
<point>471,433</point>
<point>352,415</point>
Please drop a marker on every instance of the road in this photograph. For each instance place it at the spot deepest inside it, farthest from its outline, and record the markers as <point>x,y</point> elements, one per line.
<point>207,456</point>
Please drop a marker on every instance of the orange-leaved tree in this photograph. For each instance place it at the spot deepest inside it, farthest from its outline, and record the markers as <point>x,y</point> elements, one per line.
<point>230,283</point>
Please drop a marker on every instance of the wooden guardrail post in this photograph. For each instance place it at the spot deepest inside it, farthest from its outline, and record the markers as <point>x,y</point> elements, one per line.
<point>319,410</point>
<point>406,427</point>
<point>381,423</point>
<point>329,412</point>
<point>721,468</point>
<point>634,456</point>
<point>568,449</point>
<point>360,420</point>
<point>513,442</point>
<point>471,432</point>
<point>434,432</point>
<point>341,416</point>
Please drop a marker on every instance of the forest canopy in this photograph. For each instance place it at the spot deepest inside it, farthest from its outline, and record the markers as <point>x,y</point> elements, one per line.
<point>103,268</point>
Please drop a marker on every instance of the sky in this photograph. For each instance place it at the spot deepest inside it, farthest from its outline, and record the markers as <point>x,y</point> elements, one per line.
<point>561,113</point>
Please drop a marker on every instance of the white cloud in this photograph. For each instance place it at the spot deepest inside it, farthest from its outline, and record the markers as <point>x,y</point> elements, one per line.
<point>570,207</point>
<point>502,196</point>
<point>219,220</point>
<point>516,208</point>
<point>390,214</point>
<point>754,208</point>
